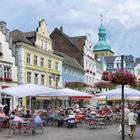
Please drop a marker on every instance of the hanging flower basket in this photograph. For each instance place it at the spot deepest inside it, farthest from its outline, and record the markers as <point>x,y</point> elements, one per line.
<point>7,79</point>
<point>1,78</point>
<point>122,77</point>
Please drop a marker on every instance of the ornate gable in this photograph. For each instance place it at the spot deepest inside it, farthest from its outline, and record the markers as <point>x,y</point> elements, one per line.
<point>43,40</point>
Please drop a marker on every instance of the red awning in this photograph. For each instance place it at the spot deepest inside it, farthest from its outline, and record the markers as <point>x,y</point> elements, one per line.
<point>81,97</point>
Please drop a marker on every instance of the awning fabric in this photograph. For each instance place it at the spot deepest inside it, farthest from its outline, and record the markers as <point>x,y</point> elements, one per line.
<point>28,90</point>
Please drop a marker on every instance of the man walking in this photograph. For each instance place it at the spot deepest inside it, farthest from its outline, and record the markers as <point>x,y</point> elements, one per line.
<point>132,121</point>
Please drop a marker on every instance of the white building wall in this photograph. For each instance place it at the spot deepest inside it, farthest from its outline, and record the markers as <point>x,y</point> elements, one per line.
<point>21,71</point>
<point>7,56</point>
<point>89,62</point>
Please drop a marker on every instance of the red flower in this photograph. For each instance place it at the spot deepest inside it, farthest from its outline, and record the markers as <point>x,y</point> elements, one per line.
<point>1,78</point>
<point>122,77</point>
<point>74,85</point>
<point>7,79</point>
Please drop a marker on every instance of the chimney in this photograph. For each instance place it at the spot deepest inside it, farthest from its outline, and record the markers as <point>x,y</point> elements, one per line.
<point>61,28</point>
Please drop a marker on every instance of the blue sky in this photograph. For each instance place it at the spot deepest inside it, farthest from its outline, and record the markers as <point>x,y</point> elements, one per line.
<point>78,17</point>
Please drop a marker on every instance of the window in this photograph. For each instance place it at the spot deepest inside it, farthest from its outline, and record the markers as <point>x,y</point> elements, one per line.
<point>1,71</point>
<point>36,78</point>
<point>7,72</point>
<point>44,45</point>
<point>56,66</point>
<point>110,66</point>
<point>29,77</point>
<point>28,59</point>
<point>42,62</point>
<point>49,64</point>
<point>129,65</point>
<point>50,80</point>
<point>35,60</point>
<point>42,79</point>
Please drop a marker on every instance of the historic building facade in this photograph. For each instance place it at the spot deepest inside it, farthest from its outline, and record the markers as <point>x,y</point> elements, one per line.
<point>37,63</point>
<point>79,47</point>
<point>114,62</point>
<point>8,68</point>
<point>71,70</point>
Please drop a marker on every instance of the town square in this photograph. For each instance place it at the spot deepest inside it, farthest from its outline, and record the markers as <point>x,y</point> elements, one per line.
<point>69,70</point>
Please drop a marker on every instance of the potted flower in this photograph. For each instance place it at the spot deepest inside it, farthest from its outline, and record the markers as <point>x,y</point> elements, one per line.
<point>122,77</point>
<point>7,79</point>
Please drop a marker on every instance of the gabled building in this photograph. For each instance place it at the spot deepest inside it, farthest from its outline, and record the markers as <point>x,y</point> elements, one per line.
<point>114,62</point>
<point>79,47</point>
<point>37,63</point>
<point>8,68</point>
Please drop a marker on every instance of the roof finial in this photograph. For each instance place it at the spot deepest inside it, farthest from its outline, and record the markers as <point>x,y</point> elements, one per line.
<point>101,18</point>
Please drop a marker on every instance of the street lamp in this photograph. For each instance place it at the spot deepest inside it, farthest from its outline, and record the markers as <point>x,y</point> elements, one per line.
<point>123,102</point>
<point>56,77</point>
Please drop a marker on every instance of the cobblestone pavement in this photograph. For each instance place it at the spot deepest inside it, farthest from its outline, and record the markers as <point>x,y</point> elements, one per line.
<point>54,133</point>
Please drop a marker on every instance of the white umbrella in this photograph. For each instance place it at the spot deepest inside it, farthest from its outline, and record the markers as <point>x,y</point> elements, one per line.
<point>128,92</point>
<point>72,93</point>
<point>28,90</point>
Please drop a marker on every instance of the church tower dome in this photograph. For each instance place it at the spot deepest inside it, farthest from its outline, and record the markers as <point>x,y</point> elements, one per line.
<point>102,48</point>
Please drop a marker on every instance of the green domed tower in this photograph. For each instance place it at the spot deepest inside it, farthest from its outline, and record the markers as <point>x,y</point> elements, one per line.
<point>102,48</point>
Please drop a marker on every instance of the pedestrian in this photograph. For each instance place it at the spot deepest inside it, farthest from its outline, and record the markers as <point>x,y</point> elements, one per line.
<point>132,121</point>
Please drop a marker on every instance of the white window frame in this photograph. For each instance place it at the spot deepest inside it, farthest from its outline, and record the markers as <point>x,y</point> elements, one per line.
<point>42,62</point>
<point>42,79</point>
<point>7,72</point>
<point>29,78</point>
<point>56,66</point>
<point>49,64</point>
<point>28,58</point>
<point>35,60</point>
<point>50,80</point>
<point>36,79</point>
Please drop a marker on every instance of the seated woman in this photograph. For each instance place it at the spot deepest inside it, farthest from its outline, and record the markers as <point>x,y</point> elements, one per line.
<point>37,119</point>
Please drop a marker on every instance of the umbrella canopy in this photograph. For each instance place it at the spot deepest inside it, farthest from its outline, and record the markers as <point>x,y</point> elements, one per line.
<point>72,93</point>
<point>128,92</point>
<point>28,90</point>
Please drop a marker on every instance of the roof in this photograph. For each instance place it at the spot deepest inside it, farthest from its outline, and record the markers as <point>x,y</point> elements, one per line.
<point>70,39</point>
<point>30,34</point>
<point>79,41</point>
<point>127,58</point>
<point>71,61</point>
<point>102,45</point>
<point>19,36</point>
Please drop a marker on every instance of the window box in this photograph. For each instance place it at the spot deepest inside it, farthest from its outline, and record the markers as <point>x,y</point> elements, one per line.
<point>7,79</point>
<point>1,78</point>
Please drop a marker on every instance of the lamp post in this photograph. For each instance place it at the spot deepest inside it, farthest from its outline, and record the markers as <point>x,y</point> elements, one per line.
<point>123,102</point>
<point>56,77</point>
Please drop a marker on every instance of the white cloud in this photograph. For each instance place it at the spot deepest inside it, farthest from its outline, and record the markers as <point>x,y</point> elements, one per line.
<point>78,17</point>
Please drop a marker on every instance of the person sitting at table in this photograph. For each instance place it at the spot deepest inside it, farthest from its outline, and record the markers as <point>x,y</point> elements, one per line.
<point>37,118</point>
<point>17,118</point>
<point>28,114</point>
<point>2,114</point>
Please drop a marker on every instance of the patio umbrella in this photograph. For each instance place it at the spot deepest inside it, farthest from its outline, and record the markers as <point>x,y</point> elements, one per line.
<point>28,90</point>
<point>128,92</point>
<point>67,92</point>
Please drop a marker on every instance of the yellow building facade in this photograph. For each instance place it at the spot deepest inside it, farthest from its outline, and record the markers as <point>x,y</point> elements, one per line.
<point>37,62</point>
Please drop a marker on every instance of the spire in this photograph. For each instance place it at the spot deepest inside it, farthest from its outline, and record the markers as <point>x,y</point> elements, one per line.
<point>101,18</point>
